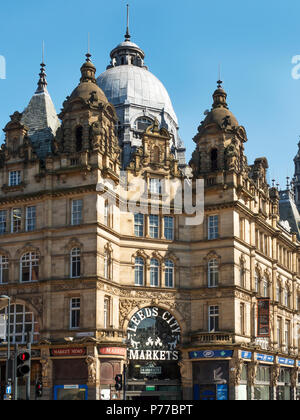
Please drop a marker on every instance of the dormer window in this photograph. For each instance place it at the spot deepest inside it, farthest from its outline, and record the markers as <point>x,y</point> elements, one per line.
<point>143,123</point>
<point>14,178</point>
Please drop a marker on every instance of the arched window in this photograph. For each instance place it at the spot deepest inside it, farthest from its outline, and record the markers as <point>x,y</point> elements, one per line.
<point>278,291</point>
<point>213,273</point>
<point>29,267</point>
<point>139,271</point>
<point>256,281</point>
<point>79,141</point>
<point>75,263</point>
<point>22,321</point>
<point>142,123</point>
<point>154,272</point>
<point>266,287</point>
<point>3,269</point>
<point>169,273</point>
<point>286,297</point>
<point>242,273</point>
<point>214,159</point>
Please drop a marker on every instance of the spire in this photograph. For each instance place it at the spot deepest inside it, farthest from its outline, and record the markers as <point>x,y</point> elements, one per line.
<point>42,83</point>
<point>127,35</point>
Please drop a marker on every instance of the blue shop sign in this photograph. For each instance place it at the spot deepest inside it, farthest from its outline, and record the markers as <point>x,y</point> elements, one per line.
<point>211,354</point>
<point>264,358</point>
<point>284,361</point>
<point>246,354</point>
<point>222,392</point>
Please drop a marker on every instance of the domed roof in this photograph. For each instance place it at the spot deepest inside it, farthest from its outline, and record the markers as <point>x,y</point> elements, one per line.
<point>86,90</point>
<point>135,85</point>
<point>220,114</point>
<point>88,87</point>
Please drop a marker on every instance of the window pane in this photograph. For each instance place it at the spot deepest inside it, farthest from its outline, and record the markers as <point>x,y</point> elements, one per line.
<point>153,226</point>
<point>76,218</point>
<point>2,221</point>
<point>14,178</point>
<point>16,219</point>
<point>139,225</point>
<point>169,227</point>
<point>30,218</point>
<point>169,274</point>
<point>213,227</point>
<point>139,272</point>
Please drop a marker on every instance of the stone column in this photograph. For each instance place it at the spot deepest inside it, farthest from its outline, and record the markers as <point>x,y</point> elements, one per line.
<point>294,381</point>
<point>275,372</point>
<point>186,371</point>
<point>235,373</point>
<point>251,377</point>
<point>93,365</point>
<point>47,374</point>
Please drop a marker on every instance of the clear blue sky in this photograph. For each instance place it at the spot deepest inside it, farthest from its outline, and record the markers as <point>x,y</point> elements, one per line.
<point>184,42</point>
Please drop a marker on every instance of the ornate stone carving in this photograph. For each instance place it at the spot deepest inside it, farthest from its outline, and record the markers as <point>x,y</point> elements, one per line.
<point>91,361</point>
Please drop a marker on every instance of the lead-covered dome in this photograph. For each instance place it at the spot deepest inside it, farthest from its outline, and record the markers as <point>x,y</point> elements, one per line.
<point>136,85</point>
<point>139,98</point>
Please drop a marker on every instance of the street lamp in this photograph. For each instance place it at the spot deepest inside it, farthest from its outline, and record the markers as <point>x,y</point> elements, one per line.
<point>2,297</point>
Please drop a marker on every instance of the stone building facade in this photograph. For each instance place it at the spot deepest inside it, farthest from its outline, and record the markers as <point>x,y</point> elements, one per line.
<point>107,288</point>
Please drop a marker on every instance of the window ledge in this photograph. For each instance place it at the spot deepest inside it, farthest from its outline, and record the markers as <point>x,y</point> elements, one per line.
<point>13,188</point>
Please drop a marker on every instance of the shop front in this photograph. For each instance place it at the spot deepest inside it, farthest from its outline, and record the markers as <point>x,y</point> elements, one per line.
<point>211,374</point>
<point>153,372</point>
<point>69,373</point>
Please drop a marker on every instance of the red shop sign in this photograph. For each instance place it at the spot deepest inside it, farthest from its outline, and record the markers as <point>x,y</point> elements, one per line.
<point>68,352</point>
<point>113,351</point>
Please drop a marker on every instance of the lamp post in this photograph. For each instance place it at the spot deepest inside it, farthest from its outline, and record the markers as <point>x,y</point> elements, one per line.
<point>2,297</point>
